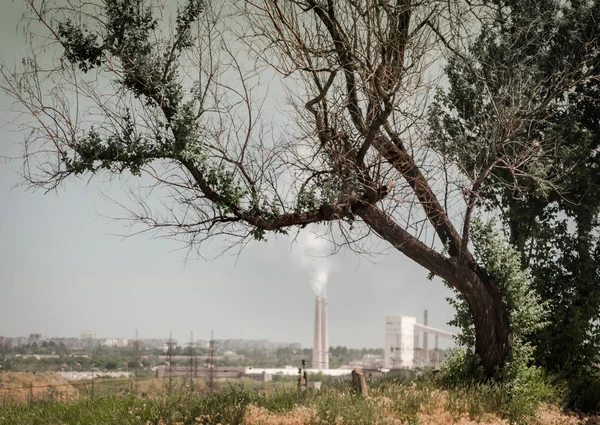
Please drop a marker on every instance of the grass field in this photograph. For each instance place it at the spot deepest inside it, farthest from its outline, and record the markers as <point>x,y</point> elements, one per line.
<point>388,404</point>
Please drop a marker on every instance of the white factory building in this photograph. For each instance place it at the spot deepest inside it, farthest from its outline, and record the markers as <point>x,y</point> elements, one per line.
<point>402,347</point>
<point>399,342</point>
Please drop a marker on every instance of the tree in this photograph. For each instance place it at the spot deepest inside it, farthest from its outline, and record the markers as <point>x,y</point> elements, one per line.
<point>111,365</point>
<point>526,55</point>
<point>180,107</point>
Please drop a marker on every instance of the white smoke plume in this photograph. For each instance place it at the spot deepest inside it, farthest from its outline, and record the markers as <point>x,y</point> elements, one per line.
<point>316,259</point>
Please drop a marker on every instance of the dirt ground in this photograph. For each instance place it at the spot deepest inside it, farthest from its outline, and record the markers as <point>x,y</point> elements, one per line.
<point>25,386</point>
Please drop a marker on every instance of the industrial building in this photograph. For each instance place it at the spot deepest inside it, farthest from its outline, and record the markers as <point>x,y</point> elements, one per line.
<point>402,348</point>
<point>399,351</point>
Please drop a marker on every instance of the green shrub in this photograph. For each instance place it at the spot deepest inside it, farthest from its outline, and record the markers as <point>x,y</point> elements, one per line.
<point>520,386</point>
<point>583,393</point>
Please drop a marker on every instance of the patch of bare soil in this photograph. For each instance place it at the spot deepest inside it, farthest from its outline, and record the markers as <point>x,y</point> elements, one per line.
<point>27,386</point>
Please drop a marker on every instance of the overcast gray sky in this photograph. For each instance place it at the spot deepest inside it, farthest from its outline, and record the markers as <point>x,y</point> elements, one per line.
<point>62,271</point>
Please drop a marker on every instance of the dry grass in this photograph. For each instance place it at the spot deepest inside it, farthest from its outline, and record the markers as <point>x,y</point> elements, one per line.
<point>552,415</point>
<point>20,387</point>
<point>435,410</point>
<point>299,415</point>
<point>388,404</point>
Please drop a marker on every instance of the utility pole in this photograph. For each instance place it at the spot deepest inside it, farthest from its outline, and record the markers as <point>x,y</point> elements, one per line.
<point>192,355</point>
<point>195,362</point>
<point>170,354</point>
<point>136,359</point>
<point>211,358</point>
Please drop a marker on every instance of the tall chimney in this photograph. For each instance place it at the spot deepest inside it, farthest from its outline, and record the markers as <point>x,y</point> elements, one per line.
<point>425,342</point>
<point>316,354</point>
<point>324,336</point>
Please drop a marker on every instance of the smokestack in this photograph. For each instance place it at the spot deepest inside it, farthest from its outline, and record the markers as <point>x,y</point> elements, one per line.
<point>425,342</point>
<point>316,354</point>
<point>324,336</point>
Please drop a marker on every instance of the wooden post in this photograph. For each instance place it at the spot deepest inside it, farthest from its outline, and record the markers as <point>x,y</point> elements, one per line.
<point>302,377</point>
<point>359,382</point>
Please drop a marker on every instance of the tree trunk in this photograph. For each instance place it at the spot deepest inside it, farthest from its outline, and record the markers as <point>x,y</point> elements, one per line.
<point>493,336</point>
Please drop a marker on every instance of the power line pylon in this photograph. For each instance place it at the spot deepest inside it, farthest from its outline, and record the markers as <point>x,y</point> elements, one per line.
<point>136,359</point>
<point>192,355</point>
<point>211,368</point>
<point>170,356</point>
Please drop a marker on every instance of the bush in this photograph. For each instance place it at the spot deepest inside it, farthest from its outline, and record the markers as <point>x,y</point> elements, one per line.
<point>516,391</point>
<point>520,384</point>
<point>583,394</point>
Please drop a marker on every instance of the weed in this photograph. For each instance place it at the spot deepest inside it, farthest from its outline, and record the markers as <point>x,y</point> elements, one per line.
<point>422,401</point>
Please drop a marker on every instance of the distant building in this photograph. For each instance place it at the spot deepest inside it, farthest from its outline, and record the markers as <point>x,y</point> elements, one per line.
<point>399,342</point>
<point>20,341</point>
<point>87,339</point>
<point>69,342</point>
<point>114,342</point>
<point>34,339</point>
<point>253,344</point>
<point>232,355</point>
<point>402,348</point>
<point>155,343</point>
<point>202,343</point>
<point>8,343</point>
<point>372,361</point>
<point>87,335</point>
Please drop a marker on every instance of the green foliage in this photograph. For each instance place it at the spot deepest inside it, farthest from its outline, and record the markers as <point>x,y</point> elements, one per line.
<point>124,151</point>
<point>224,182</point>
<point>307,200</point>
<point>80,46</point>
<point>461,367</point>
<point>149,73</point>
<point>517,391</point>
<point>130,34</point>
<point>522,384</point>
<point>583,393</point>
<point>536,62</point>
<point>185,18</point>
<point>527,313</point>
